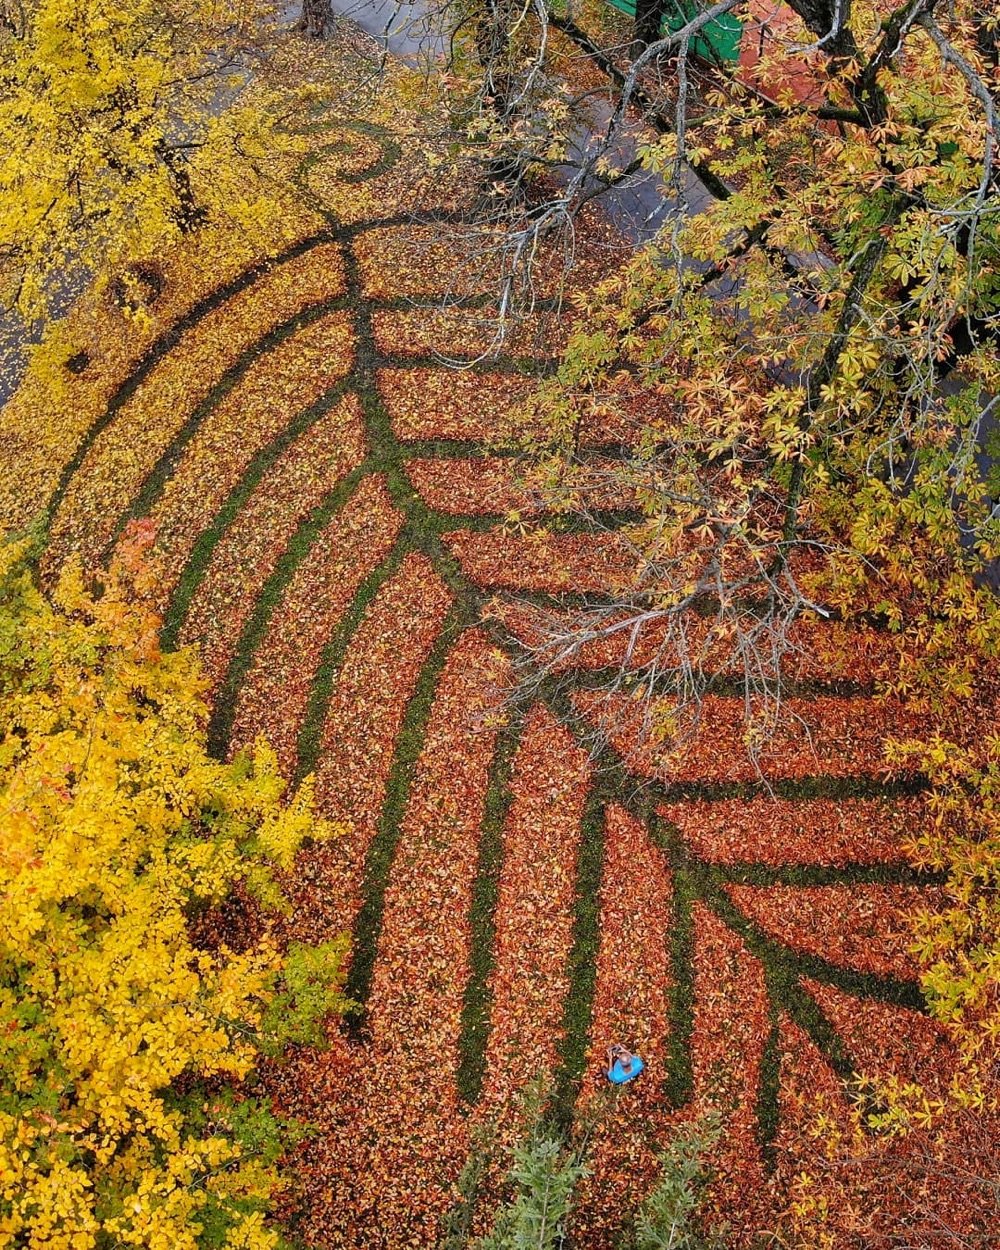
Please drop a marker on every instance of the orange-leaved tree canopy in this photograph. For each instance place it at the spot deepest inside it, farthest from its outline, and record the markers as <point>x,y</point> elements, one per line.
<point>128,1049</point>
<point>797,376</point>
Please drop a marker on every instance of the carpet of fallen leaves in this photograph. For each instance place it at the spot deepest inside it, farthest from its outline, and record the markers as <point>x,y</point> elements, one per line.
<point>534,908</point>
<point>461,335</point>
<point>274,696</point>
<point>125,453</point>
<point>539,560</point>
<point>469,487</point>
<point>819,650</point>
<point>246,554</point>
<point>727,1044</point>
<point>857,926</point>
<point>290,379</point>
<point>775,832</point>
<point>328,493</point>
<point>826,735</point>
<point>631,1005</point>
<point>451,404</point>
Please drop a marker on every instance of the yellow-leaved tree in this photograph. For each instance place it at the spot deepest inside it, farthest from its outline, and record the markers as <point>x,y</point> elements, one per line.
<point>124,123</point>
<point>128,1049</point>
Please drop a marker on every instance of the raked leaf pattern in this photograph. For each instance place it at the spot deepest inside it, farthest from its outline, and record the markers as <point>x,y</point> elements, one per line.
<point>515,903</point>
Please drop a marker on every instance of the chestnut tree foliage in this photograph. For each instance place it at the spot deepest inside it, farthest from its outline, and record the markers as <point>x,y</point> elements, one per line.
<point>803,361</point>
<point>959,943</point>
<point>128,1052</point>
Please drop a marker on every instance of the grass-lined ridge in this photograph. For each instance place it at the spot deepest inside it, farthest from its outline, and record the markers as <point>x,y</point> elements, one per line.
<point>477,999</point>
<point>382,849</point>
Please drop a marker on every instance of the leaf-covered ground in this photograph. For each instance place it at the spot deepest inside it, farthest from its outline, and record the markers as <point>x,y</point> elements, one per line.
<point>331,510</point>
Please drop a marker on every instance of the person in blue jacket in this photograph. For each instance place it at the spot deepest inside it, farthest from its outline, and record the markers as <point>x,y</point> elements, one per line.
<point>623,1066</point>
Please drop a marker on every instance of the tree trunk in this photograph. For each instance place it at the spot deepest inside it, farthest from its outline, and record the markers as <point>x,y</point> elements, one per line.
<point>648,19</point>
<point>317,18</point>
<point>827,20</point>
<point>492,35</point>
<point>187,212</point>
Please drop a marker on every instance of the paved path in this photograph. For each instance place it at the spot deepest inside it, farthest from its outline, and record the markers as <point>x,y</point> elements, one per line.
<point>12,339</point>
<point>16,338</point>
<point>405,29</point>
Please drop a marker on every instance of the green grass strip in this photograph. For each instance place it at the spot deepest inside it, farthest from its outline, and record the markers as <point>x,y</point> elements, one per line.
<point>388,156</point>
<point>837,788</point>
<point>768,1109</point>
<point>382,850</point>
<point>696,881</point>
<point>678,1082</point>
<point>804,876</point>
<point>720,684</point>
<point>787,992</point>
<point>788,965</point>
<point>578,1007</point>
<point>477,1002</point>
<point>783,969</point>
<point>220,727</point>
<point>196,567</point>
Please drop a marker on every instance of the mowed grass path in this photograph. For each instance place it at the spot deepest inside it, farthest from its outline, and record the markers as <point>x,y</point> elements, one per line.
<point>331,512</point>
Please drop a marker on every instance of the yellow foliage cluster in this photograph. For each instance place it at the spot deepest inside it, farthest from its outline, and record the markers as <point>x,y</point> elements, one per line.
<point>117,1032</point>
<point>123,123</point>
<point>958,944</point>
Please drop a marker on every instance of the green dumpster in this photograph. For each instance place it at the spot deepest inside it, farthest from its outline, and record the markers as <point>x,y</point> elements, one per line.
<point>718,41</point>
